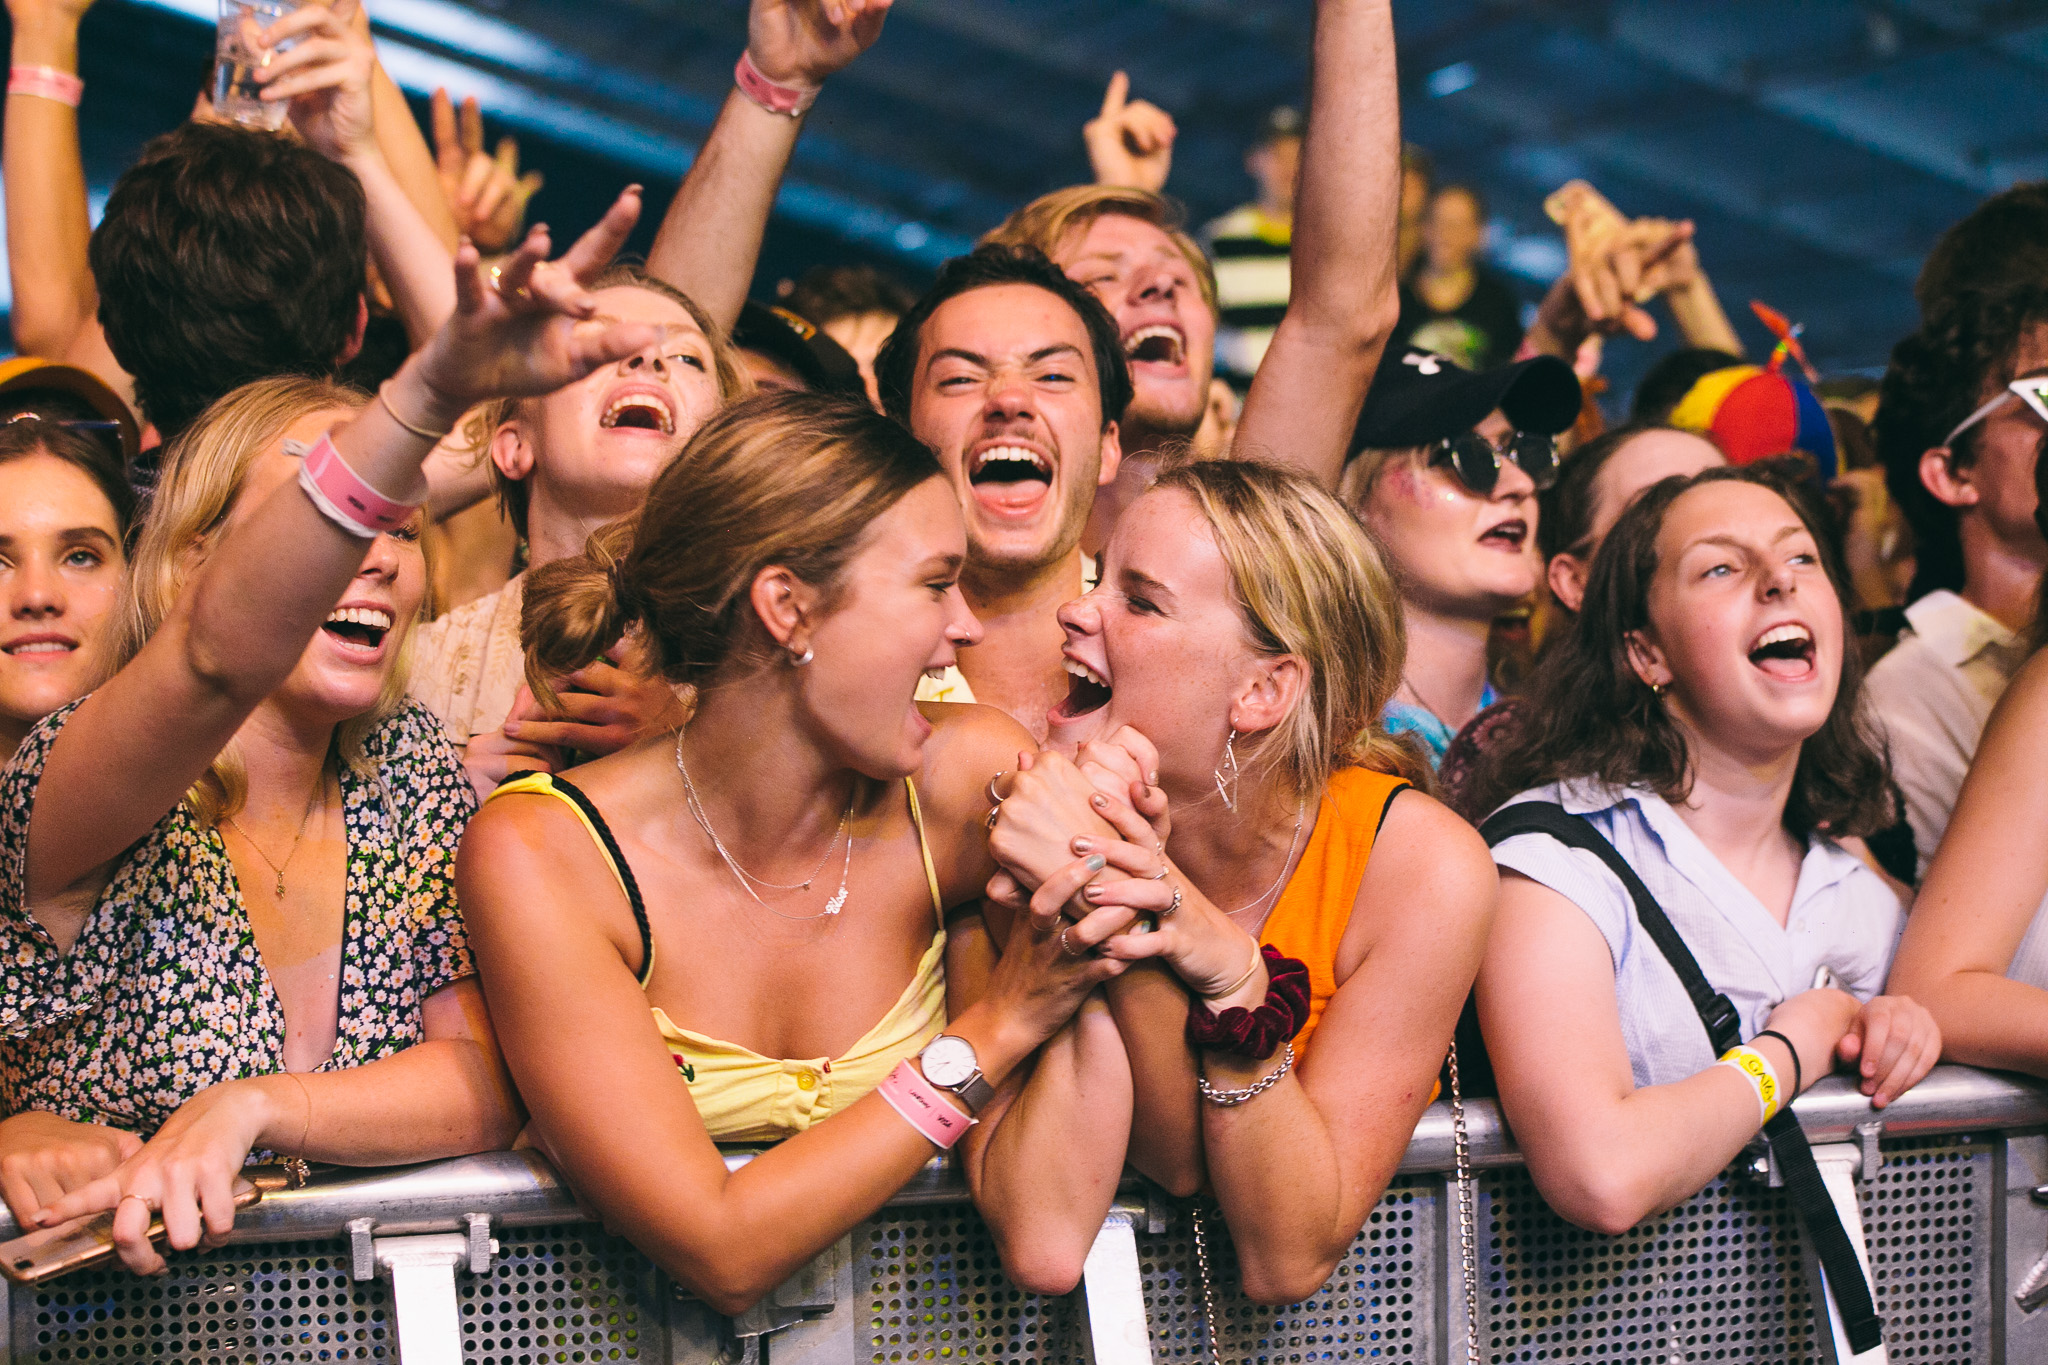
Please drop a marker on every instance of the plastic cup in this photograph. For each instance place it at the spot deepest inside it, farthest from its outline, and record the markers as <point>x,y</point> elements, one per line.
<point>236,60</point>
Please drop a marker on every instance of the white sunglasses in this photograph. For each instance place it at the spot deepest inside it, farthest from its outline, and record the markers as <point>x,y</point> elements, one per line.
<point>2032,390</point>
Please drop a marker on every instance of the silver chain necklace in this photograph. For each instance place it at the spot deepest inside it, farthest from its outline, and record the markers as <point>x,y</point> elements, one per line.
<point>748,880</point>
<point>1287,862</point>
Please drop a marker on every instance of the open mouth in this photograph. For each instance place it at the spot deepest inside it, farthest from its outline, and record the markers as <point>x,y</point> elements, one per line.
<point>1785,651</point>
<point>639,412</point>
<point>359,627</point>
<point>1156,344</point>
<point>1009,464</point>
<point>41,648</point>
<point>1087,691</point>
<point>1512,534</point>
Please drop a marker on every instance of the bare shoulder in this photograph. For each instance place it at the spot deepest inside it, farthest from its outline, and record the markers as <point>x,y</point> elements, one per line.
<point>1428,856</point>
<point>969,744</point>
<point>523,855</point>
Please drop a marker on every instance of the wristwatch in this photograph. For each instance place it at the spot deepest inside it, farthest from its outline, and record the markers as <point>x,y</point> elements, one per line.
<point>948,1062</point>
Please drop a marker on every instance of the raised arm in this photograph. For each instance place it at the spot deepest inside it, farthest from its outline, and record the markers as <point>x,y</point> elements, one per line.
<point>329,75</point>
<point>55,299</point>
<point>277,567</point>
<point>1344,299</point>
<point>1983,891</point>
<point>711,238</point>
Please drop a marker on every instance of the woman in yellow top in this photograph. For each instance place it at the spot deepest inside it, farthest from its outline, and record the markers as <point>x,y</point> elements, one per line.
<point>736,932</point>
<point>1230,666</point>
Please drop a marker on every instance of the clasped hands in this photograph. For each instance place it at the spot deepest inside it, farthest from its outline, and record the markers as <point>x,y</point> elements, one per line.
<point>1081,843</point>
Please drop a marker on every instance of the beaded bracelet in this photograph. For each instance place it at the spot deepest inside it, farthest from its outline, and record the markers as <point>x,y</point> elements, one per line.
<point>1256,1032</point>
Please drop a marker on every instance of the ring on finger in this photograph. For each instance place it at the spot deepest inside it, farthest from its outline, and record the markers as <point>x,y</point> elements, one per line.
<point>1069,949</point>
<point>995,813</point>
<point>1173,906</point>
<point>995,798</point>
<point>1160,875</point>
<point>149,1207</point>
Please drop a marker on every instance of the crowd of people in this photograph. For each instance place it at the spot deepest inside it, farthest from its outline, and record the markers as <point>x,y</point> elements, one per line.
<point>458,688</point>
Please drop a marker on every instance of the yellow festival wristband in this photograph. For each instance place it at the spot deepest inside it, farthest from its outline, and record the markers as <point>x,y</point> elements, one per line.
<point>1756,1068</point>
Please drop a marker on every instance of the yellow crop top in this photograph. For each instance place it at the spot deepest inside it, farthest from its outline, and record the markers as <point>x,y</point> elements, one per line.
<point>742,1095</point>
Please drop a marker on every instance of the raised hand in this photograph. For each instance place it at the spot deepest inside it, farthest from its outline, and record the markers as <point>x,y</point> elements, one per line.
<point>1125,767</point>
<point>1130,142</point>
<point>600,708</point>
<point>326,76</point>
<point>485,192</point>
<point>529,325</point>
<point>1049,803</point>
<point>801,42</point>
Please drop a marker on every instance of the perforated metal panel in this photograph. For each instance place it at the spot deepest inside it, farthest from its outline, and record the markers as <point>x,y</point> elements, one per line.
<point>1927,1222</point>
<point>932,1287</point>
<point>1718,1278</point>
<point>572,1293</point>
<point>278,1304</point>
<point>1380,1304</point>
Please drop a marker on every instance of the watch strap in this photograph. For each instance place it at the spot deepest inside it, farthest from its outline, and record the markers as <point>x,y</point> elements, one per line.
<point>975,1092</point>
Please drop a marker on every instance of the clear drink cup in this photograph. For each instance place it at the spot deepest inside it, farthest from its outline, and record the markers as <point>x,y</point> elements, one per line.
<point>237,59</point>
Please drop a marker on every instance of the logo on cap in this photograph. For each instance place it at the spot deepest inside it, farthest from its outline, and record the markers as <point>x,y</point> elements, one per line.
<point>1424,362</point>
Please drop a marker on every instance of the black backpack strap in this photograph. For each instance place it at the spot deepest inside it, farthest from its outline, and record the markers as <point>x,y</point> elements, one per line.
<point>1831,1244</point>
<point>1717,1013</point>
<point>1787,1139</point>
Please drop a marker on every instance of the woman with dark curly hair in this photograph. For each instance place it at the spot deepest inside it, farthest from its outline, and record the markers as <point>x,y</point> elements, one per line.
<point>1701,718</point>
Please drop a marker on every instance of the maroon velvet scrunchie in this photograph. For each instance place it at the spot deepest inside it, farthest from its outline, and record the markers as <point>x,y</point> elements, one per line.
<point>1256,1033</point>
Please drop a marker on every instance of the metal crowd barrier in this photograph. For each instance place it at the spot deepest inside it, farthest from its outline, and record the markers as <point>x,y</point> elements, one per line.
<point>489,1260</point>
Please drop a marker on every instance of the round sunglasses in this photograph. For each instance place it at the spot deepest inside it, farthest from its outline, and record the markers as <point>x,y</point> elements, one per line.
<point>1477,461</point>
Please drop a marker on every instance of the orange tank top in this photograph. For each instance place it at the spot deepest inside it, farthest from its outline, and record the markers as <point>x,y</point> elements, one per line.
<point>1309,919</point>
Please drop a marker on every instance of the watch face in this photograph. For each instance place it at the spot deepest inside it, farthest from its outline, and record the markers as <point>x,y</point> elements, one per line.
<point>947,1060</point>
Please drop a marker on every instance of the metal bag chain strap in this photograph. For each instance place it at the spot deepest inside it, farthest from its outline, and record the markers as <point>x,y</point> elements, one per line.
<point>1461,1146</point>
<point>1208,1286</point>
<point>1468,1257</point>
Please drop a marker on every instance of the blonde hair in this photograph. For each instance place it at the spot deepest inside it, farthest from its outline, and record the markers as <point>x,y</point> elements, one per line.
<point>1045,222</point>
<point>789,479</point>
<point>203,473</point>
<point>480,425</point>
<point>1310,582</point>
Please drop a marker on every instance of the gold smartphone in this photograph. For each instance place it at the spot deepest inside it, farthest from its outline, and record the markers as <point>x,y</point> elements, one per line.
<point>83,1242</point>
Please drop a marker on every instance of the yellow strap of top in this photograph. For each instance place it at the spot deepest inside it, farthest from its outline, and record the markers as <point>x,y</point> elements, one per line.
<point>586,812</point>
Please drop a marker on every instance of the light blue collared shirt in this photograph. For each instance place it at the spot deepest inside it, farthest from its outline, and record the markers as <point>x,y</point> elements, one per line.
<point>1843,917</point>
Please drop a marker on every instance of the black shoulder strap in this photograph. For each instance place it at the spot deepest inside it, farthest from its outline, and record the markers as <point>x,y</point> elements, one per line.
<point>1724,1027</point>
<point>627,882</point>
<point>1717,1013</point>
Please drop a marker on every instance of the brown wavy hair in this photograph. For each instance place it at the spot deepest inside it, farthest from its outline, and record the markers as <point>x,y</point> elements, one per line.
<point>789,479</point>
<point>1310,582</point>
<point>1588,714</point>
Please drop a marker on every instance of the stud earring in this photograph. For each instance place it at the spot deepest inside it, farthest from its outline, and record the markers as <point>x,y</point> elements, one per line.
<point>1658,690</point>
<point>1226,774</point>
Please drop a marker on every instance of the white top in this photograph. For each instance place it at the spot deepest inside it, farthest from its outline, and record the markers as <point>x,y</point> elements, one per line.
<point>1843,918</point>
<point>1931,695</point>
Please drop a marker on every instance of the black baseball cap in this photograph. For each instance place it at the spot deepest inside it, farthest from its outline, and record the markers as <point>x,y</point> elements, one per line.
<point>799,346</point>
<point>1419,397</point>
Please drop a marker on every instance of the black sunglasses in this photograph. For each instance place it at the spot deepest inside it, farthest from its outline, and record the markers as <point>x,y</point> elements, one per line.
<point>1477,461</point>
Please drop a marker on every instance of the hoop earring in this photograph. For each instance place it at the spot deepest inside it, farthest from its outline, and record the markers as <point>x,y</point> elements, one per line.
<point>797,660</point>
<point>1226,775</point>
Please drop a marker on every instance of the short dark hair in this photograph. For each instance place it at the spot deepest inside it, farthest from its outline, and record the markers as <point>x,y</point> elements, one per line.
<point>1936,379</point>
<point>896,363</point>
<point>227,255</point>
<point>1588,715</point>
<point>1665,384</point>
<point>2001,243</point>
<point>826,293</point>
<point>96,460</point>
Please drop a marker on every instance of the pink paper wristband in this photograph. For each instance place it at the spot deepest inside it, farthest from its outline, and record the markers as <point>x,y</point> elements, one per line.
<point>791,100</point>
<point>914,1097</point>
<point>342,494</point>
<point>46,82</point>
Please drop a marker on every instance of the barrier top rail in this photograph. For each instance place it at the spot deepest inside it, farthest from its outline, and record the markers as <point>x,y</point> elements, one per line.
<point>521,1189</point>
